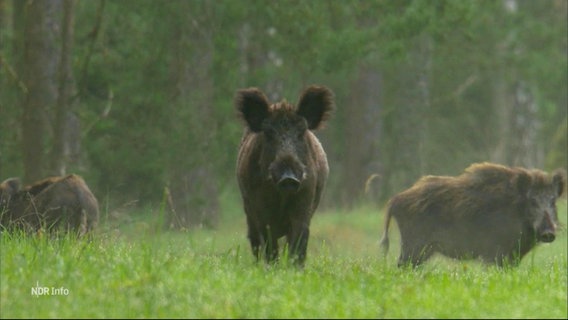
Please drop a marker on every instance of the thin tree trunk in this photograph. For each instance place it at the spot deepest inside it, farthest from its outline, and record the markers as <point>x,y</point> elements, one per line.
<point>501,103</point>
<point>60,150</point>
<point>193,179</point>
<point>39,64</point>
<point>524,127</point>
<point>408,127</point>
<point>515,106</point>
<point>3,113</point>
<point>3,23</point>
<point>363,127</point>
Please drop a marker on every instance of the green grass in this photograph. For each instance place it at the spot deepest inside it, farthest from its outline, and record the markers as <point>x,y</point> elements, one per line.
<point>134,270</point>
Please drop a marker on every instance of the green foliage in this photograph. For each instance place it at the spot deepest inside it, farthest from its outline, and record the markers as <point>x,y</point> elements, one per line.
<point>156,82</point>
<point>137,271</point>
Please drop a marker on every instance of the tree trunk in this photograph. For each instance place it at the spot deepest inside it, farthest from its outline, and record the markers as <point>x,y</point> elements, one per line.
<point>12,86</point>
<point>66,89</point>
<point>40,65</point>
<point>408,119</point>
<point>501,103</point>
<point>3,23</point>
<point>193,179</point>
<point>2,27</point>
<point>524,127</point>
<point>361,171</point>
<point>516,109</point>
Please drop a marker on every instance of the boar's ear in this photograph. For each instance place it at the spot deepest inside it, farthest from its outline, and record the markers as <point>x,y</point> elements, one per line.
<point>559,181</point>
<point>523,182</point>
<point>252,106</point>
<point>10,186</point>
<point>316,104</point>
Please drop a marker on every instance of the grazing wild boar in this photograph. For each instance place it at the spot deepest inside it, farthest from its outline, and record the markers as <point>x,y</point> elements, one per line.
<point>281,168</point>
<point>491,212</point>
<point>52,203</point>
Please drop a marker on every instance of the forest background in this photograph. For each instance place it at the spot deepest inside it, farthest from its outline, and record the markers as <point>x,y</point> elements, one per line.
<point>137,96</point>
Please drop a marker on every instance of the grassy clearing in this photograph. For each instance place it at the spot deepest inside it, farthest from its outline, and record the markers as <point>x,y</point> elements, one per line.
<point>137,271</point>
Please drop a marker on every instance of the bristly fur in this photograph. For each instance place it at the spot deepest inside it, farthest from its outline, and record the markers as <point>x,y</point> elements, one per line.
<point>51,202</point>
<point>281,168</point>
<point>490,210</point>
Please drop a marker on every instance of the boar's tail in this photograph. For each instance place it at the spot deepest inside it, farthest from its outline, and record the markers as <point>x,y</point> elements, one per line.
<point>90,209</point>
<point>385,239</point>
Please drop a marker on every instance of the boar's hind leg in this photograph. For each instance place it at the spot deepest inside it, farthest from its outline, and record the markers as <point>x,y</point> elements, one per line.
<point>414,254</point>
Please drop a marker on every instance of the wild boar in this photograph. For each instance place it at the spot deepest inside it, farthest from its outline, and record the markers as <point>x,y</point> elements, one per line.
<point>52,203</point>
<point>490,211</point>
<point>281,168</point>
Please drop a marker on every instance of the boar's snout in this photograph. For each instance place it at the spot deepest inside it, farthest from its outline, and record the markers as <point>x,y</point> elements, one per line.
<point>288,182</point>
<point>546,231</point>
<point>547,236</point>
<point>287,174</point>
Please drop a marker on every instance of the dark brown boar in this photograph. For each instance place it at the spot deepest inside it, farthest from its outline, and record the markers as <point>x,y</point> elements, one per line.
<point>52,203</point>
<point>14,201</point>
<point>281,168</point>
<point>492,212</point>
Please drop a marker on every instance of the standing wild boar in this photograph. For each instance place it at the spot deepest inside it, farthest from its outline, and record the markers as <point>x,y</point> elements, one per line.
<point>491,212</point>
<point>50,203</point>
<point>281,168</point>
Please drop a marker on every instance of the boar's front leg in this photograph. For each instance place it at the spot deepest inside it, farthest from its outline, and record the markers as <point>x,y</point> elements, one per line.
<point>270,243</point>
<point>254,237</point>
<point>505,260</point>
<point>298,241</point>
